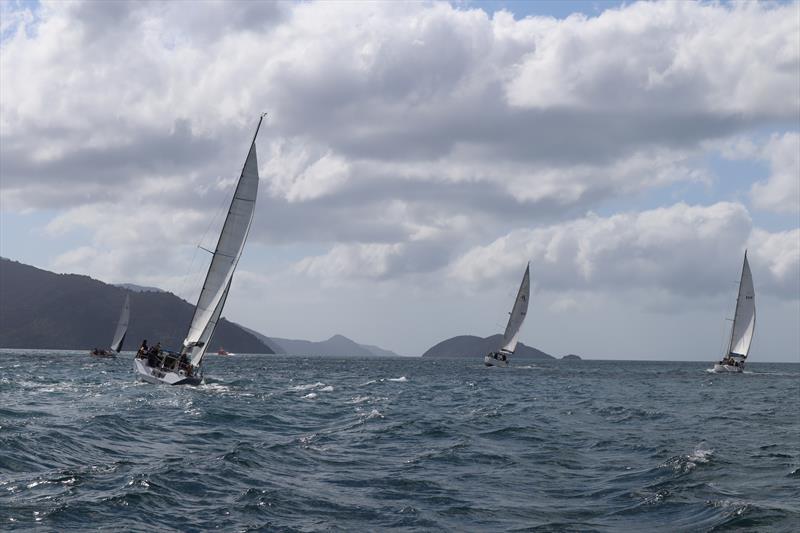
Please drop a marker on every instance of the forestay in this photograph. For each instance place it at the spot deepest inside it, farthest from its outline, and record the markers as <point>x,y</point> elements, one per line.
<point>744,320</point>
<point>518,313</point>
<point>122,325</point>
<point>226,256</point>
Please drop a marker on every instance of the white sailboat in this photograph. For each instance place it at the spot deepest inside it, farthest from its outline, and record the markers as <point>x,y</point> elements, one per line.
<point>185,367</point>
<point>744,324</point>
<point>511,335</point>
<point>119,334</point>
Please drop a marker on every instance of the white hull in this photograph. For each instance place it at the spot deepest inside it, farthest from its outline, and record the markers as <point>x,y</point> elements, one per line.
<point>161,376</point>
<point>728,368</point>
<point>491,361</point>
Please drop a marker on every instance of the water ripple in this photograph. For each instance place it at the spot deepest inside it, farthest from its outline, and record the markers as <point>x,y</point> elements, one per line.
<point>304,444</point>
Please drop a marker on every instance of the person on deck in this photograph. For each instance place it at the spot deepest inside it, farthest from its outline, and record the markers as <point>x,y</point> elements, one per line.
<point>152,355</point>
<point>143,349</point>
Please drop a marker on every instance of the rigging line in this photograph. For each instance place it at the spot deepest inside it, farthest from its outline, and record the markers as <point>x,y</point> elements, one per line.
<point>193,277</point>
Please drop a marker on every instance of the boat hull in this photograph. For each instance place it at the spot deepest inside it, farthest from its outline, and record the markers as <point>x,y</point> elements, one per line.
<point>492,361</point>
<point>160,376</point>
<point>103,354</point>
<point>728,368</point>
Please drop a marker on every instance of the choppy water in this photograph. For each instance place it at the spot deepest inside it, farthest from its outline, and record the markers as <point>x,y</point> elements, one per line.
<point>307,444</point>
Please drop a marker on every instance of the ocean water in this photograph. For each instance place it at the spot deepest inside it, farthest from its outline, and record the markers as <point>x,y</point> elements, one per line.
<point>275,443</point>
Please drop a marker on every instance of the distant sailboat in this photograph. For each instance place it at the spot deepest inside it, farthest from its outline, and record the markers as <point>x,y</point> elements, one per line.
<point>182,368</point>
<point>518,312</point>
<point>744,324</point>
<point>119,334</point>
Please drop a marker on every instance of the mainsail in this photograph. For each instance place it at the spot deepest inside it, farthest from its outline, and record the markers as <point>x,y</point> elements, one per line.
<point>744,319</point>
<point>226,256</point>
<point>518,313</point>
<point>122,325</point>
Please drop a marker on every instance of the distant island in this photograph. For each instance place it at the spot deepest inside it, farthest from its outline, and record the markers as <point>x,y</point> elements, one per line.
<point>470,346</point>
<point>571,357</point>
<point>336,346</point>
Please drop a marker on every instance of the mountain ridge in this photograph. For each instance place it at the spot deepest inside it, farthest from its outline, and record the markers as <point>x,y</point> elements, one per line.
<point>46,310</point>
<point>336,346</point>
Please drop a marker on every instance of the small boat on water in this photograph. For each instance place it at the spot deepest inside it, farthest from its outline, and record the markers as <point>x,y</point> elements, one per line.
<point>511,335</point>
<point>119,333</point>
<point>185,367</point>
<point>223,351</point>
<point>744,324</point>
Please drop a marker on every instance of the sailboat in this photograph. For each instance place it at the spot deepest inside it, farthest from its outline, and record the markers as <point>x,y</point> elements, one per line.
<point>744,324</point>
<point>119,334</point>
<point>518,312</point>
<point>185,367</point>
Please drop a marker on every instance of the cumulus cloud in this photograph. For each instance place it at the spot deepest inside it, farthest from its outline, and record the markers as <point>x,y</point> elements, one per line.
<point>666,56</point>
<point>165,93</point>
<point>689,250</point>
<point>781,191</point>
<point>777,256</point>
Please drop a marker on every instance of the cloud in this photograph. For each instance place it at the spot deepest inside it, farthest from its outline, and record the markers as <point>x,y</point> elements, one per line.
<point>682,249</point>
<point>781,191</point>
<point>400,88</point>
<point>403,137</point>
<point>777,257</point>
<point>664,57</point>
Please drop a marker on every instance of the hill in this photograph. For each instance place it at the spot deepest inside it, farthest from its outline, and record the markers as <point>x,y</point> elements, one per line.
<point>42,309</point>
<point>336,346</point>
<point>470,346</point>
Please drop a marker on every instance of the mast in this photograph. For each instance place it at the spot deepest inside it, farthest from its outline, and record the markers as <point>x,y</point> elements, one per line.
<point>744,316</point>
<point>122,325</point>
<point>225,256</point>
<point>518,313</point>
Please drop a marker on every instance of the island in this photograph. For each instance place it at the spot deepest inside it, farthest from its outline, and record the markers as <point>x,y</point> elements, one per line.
<point>471,346</point>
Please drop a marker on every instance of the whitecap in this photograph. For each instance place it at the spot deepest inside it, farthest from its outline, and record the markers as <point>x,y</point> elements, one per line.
<point>310,395</point>
<point>214,387</point>
<point>700,456</point>
<point>401,379</point>
<point>329,388</point>
<point>359,399</point>
<point>309,386</point>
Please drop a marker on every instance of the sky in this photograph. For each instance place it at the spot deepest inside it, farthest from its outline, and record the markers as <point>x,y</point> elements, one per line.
<point>415,157</point>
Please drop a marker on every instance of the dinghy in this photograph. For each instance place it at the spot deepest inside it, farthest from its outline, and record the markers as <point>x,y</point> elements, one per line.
<point>510,337</point>
<point>119,334</point>
<point>744,324</point>
<point>185,367</point>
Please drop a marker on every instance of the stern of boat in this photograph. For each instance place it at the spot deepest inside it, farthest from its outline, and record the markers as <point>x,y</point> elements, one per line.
<point>493,359</point>
<point>161,376</point>
<point>728,369</point>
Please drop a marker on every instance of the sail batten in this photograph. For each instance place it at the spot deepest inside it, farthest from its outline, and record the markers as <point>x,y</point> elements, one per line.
<point>122,325</point>
<point>518,312</point>
<point>225,257</point>
<point>744,318</point>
